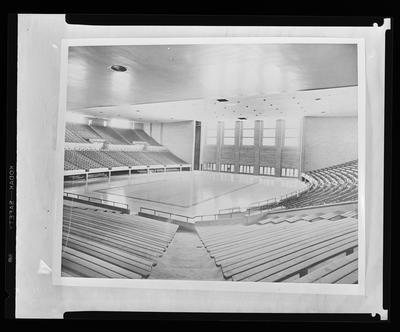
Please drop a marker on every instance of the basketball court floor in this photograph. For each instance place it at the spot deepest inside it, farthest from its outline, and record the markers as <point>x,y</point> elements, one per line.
<point>188,193</point>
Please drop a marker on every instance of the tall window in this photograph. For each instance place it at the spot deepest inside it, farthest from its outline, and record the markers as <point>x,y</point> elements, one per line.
<point>267,170</point>
<point>290,172</point>
<point>211,137</point>
<point>248,133</point>
<point>292,132</point>
<point>229,133</point>
<point>210,166</point>
<point>269,132</point>
<point>248,169</point>
<point>227,168</point>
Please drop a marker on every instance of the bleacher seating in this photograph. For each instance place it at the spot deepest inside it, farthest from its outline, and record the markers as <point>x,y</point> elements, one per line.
<point>82,130</point>
<point>102,158</point>
<point>100,244</point>
<point>80,161</point>
<point>130,135</point>
<point>89,158</point>
<point>292,247</point>
<point>122,158</point>
<point>110,135</point>
<point>146,138</point>
<point>333,184</point>
<point>71,137</point>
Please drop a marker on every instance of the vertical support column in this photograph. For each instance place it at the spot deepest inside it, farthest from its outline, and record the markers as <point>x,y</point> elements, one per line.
<point>220,142</point>
<point>237,146</point>
<point>302,146</point>
<point>109,176</point>
<point>86,177</point>
<point>197,145</point>
<point>258,128</point>
<point>280,136</point>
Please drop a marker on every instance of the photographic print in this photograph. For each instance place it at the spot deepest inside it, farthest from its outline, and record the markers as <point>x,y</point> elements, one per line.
<point>212,161</point>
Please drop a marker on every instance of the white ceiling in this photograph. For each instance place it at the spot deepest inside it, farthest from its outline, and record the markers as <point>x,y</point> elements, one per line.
<point>332,102</point>
<point>182,82</point>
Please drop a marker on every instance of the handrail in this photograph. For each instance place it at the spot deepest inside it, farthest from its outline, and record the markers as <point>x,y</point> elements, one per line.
<point>95,200</point>
<point>180,217</point>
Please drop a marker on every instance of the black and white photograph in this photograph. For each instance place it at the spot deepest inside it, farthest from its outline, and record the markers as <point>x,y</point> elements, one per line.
<point>199,169</point>
<point>219,162</point>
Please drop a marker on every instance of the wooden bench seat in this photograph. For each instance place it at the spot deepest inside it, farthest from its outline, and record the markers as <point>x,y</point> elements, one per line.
<point>125,221</point>
<point>100,244</point>
<point>104,268</point>
<point>294,219</point>
<point>331,215</point>
<point>291,266</point>
<point>92,229</point>
<point>112,250</point>
<point>263,241</point>
<point>274,251</point>
<point>106,255</point>
<point>324,271</point>
<point>122,242</point>
<point>132,233</point>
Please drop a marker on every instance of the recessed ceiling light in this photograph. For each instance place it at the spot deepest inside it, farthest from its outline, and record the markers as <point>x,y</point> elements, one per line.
<point>317,98</point>
<point>242,118</point>
<point>118,68</point>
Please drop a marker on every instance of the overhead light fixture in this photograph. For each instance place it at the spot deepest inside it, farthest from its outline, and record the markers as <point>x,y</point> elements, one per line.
<point>118,68</point>
<point>222,100</point>
<point>242,118</point>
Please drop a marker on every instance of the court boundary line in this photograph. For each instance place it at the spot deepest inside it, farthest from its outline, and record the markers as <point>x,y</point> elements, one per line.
<point>185,206</point>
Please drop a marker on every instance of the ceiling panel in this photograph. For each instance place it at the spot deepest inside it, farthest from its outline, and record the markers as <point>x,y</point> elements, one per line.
<point>323,102</point>
<point>202,73</point>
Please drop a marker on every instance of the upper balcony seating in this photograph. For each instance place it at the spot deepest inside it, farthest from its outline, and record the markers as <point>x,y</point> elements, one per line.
<point>108,245</point>
<point>71,137</point>
<point>297,246</point>
<point>129,135</point>
<point>82,130</point>
<point>110,135</point>
<point>84,159</point>
<point>146,138</point>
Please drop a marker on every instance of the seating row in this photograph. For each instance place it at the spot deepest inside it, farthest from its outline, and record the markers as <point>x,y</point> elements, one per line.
<point>90,159</point>
<point>99,244</point>
<point>298,247</point>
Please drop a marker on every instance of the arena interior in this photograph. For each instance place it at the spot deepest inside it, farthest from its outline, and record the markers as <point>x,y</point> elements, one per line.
<point>217,162</point>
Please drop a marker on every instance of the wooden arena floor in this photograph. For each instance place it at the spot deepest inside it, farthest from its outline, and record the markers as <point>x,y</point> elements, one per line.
<point>188,193</point>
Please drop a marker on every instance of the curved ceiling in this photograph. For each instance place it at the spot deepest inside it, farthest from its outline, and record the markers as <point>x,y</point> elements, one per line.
<point>194,76</point>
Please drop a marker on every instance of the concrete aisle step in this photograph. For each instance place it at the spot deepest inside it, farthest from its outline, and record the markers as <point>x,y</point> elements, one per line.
<point>186,259</point>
